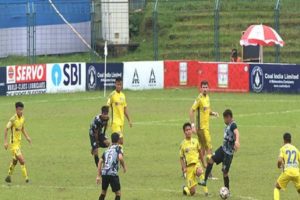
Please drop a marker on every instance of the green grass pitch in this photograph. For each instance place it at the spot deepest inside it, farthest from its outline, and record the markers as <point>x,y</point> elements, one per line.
<point>60,165</point>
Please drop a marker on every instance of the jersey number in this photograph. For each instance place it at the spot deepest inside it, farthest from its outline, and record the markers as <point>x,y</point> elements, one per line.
<point>290,154</point>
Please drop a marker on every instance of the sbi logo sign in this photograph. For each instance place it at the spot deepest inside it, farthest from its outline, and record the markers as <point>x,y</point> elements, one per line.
<point>69,74</point>
<point>56,75</point>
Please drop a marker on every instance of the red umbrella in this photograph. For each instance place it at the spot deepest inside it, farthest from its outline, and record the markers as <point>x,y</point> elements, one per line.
<point>261,35</point>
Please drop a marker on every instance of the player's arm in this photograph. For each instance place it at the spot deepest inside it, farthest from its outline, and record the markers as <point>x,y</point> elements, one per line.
<point>127,116</point>
<point>280,162</point>
<point>182,161</point>
<point>183,165</point>
<point>122,162</point>
<point>237,139</point>
<point>8,126</point>
<point>213,113</point>
<point>24,131</point>
<point>99,172</point>
<point>96,135</point>
<point>192,119</point>
<point>194,107</point>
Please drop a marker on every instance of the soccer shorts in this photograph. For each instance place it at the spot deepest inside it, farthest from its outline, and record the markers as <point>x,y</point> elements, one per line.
<point>191,175</point>
<point>113,181</point>
<point>100,143</point>
<point>204,138</point>
<point>116,128</point>
<point>284,179</point>
<point>221,157</point>
<point>15,151</point>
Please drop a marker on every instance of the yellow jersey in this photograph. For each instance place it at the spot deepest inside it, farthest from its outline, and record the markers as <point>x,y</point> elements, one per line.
<point>16,124</point>
<point>189,150</point>
<point>202,105</point>
<point>117,103</point>
<point>291,158</point>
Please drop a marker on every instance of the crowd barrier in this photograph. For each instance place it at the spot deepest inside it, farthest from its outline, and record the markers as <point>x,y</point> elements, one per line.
<point>280,78</point>
<point>222,77</point>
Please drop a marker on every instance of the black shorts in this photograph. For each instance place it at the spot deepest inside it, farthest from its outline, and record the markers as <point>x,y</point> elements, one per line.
<point>113,181</point>
<point>221,157</point>
<point>101,143</point>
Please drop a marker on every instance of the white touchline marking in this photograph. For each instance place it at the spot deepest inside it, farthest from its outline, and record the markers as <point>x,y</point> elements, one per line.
<point>156,99</point>
<point>219,125</point>
<point>157,122</point>
<point>98,187</point>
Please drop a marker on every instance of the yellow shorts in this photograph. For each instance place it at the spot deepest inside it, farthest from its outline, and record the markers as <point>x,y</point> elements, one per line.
<point>15,151</point>
<point>284,179</point>
<point>115,128</point>
<point>204,138</point>
<point>191,177</point>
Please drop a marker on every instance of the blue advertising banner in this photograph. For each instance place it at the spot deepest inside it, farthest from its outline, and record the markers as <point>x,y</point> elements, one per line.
<point>95,75</point>
<point>282,78</point>
<point>3,87</point>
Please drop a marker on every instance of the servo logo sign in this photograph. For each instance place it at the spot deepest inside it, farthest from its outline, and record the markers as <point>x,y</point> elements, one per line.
<point>257,79</point>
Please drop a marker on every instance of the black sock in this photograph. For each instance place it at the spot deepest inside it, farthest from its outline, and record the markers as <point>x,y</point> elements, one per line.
<point>96,160</point>
<point>226,182</point>
<point>208,171</point>
<point>118,197</point>
<point>102,196</point>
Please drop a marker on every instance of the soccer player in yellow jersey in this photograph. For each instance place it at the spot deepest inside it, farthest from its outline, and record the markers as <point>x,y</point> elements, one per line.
<point>289,159</point>
<point>189,160</point>
<point>17,126</point>
<point>118,105</point>
<point>202,106</point>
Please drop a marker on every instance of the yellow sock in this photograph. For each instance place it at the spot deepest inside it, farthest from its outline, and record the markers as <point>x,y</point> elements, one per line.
<point>208,156</point>
<point>24,171</point>
<point>201,177</point>
<point>11,169</point>
<point>186,189</point>
<point>276,194</point>
<point>205,189</point>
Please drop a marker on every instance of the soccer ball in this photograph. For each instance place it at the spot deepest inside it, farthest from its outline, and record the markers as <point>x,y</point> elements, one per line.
<point>224,193</point>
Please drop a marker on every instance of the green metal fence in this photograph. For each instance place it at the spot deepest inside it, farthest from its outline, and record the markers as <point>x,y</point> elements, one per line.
<point>161,29</point>
<point>208,30</point>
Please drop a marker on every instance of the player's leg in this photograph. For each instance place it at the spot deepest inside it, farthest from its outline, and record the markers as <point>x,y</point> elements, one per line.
<point>225,168</point>
<point>12,166</point>
<point>105,184</point>
<point>96,156</point>
<point>208,144</point>
<point>121,133</point>
<point>281,183</point>
<point>297,184</point>
<point>216,158</point>
<point>277,192</point>
<point>116,186</point>
<point>115,128</point>
<point>191,181</point>
<point>21,160</point>
<point>202,146</point>
<point>200,174</point>
<point>102,195</point>
<point>94,146</point>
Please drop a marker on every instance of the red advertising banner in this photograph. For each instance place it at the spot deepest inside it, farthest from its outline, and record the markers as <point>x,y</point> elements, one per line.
<point>26,79</point>
<point>26,73</point>
<point>227,77</point>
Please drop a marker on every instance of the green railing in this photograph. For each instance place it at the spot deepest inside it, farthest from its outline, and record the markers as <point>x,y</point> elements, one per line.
<point>207,30</point>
